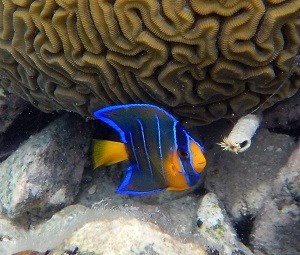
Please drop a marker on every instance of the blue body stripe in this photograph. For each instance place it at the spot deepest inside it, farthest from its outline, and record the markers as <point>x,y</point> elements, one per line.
<point>159,146</point>
<point>182,167</point>
<point>190,153</point>
<point>133,149</point>
<point>193,177</point>
<point>183,141</point>
<point>174,135</point>
<point>199,144</point>
<point>145,148</point>
<point>189,150</point>
<point>190,162</point>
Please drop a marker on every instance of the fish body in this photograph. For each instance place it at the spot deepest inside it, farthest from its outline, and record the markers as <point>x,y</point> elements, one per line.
<point>161,154</point>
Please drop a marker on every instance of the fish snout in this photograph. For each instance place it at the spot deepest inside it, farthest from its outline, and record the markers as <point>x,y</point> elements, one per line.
<point>199,166</point>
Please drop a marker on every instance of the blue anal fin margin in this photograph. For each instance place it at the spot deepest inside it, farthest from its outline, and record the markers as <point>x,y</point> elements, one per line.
<point>135,184</point>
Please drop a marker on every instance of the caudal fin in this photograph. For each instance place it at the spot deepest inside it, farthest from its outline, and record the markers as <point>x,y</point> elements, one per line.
<point>107,153</point>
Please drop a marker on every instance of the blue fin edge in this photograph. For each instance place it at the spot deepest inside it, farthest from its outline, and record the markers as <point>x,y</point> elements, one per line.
<point>125,182</point>
<point>113,125</point>
<point>116,107</point>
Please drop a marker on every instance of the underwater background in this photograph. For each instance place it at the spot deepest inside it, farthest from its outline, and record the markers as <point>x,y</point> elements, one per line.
<point>207,63</point>
<point>51,199</point>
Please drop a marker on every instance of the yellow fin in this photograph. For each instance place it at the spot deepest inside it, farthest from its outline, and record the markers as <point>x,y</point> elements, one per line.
<point>107,153</point>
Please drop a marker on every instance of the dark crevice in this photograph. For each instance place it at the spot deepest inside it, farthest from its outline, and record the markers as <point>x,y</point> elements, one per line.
<point>104,131</point>
<point>211,251</point>
<point>200,190</point>
<point>293,132</point>
<point>29,122</point>
<point>243,228</point>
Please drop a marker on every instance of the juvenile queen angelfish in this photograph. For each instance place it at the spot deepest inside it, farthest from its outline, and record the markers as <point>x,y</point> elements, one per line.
<point>161,153</point>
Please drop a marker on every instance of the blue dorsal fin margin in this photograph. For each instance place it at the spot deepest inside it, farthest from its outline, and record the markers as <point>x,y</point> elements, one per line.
<point>117,116</point>
<point>111,108</point>
<point>114,126</point>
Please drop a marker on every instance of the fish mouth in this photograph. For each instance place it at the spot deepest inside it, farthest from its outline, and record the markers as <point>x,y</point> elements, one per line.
<point>201,164</point>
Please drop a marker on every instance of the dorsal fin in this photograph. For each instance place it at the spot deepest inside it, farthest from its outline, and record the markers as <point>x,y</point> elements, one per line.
<point>121,117</point>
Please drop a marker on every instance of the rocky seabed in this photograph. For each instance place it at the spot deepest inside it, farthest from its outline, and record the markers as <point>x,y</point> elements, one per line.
<point>52,202</point>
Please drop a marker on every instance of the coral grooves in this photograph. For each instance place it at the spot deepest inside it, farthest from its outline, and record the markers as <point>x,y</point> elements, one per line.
<point>205,59</point>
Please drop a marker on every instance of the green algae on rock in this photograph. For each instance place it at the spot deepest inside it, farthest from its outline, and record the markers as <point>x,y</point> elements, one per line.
<point>203,59</point>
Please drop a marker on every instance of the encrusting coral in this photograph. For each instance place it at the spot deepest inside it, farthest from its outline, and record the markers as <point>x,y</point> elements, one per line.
<point>205,59</point>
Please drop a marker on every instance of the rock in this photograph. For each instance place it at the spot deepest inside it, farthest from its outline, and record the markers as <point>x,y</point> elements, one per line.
<point>243,181</point>
<point>173,212</point>
<point>9,232</point>
<point>11,106</point>
<point>175,216</point>
<point>215,228</point>
<point>44,173</point>
<point>100,231</point>
<point>126,236</point>
<point>166,229</point>
<point>50,233</point>
<point>277,226</point>
<point>29,122</point>
<point>284,115</point>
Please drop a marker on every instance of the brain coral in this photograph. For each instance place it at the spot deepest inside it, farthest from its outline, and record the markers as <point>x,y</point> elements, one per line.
<point>202,59</point>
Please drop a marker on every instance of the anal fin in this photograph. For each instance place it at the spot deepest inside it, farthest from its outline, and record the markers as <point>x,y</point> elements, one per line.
<point>137,182</point>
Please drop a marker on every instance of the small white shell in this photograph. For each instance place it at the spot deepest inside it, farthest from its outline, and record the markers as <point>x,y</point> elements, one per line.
<point>240,136</point>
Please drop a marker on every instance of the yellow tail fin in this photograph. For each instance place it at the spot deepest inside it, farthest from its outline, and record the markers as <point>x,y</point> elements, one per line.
<point>107,153</point>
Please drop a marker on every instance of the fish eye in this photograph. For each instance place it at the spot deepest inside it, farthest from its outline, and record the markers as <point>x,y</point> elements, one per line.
<point>183,154</point>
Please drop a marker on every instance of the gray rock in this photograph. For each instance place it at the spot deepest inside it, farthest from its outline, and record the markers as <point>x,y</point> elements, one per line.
<point>284,115</point>
<point>11,106</point>
<point>132,230</point>
<point>277,226</point>
<point>215,228</point>
<point>47,235</point>
<point>176,216</point>
<point>171,211</point>
<point>45,172</point>
<point>127,236</point>
<point>9,232</point>
<point>100,231</point>
<point>242,182</point>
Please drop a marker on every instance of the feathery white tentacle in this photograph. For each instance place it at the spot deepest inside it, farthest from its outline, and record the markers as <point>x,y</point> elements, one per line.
<point>240,136</point>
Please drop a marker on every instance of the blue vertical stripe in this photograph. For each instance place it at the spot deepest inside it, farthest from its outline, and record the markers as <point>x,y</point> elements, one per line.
<point>159,146</point>
<point>133,149</point>
<point>145,148</point>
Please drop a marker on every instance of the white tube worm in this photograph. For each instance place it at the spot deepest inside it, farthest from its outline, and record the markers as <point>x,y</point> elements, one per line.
<point>240,136</point>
